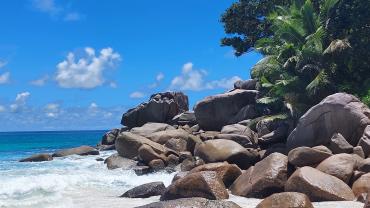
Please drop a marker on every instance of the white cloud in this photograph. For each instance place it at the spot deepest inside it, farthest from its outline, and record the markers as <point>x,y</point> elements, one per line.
<point>189,79</point>
<point>137,95</point>
<point>2,108</point>
<point>20,101</point>
<point>192,79</point>
<point>86,72</point>
<point>4,78</point>
<point>56,11</point>
<point>40,82</point>
<point>159,77</point>
<point>3,63</point>
<point>52,110</point>
<point>223,83</point>
<point>73,16</point>
<point>113,84</point>
<point>93,106</point>
<point>47,6</point>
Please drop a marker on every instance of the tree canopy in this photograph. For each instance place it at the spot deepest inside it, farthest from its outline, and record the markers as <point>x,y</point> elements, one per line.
<point>311,48</point>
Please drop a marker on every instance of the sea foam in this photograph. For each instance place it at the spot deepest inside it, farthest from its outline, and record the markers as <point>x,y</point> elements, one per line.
<point>82,182</point>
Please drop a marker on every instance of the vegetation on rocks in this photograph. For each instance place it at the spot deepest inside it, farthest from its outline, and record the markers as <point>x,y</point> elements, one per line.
<point>311,48</point>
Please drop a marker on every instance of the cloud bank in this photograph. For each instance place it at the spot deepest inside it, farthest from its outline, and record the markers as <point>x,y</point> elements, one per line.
<point>194,80</point>
<point>86,72</point>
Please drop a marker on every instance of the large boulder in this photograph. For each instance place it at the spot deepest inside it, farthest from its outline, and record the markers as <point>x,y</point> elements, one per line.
<point>37,158</point>
<point>162,137</point>
<point>338,113</point>
<point>145,190</point>
<point>83,150</point>
<point>265,178</point>
<point>220,150</point>
<point>307,156</point>
<point>227,172</point>
<point>340,166</point>
<point>115,161</point>
<point>318,186</point>
<point>161,108</point>
<point>361,185</point>
<point>286,200</point>
<point>240,130</point>
<point>128,144</point>
<point>205,184</point>
<point>149,128</point>
<point>216,111</point>
<point>194,202</point>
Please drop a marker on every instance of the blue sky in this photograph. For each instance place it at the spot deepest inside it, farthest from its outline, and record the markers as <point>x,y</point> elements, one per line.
<point>80,64</point>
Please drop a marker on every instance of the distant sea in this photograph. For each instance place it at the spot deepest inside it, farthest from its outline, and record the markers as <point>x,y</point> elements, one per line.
<point>71,182</point>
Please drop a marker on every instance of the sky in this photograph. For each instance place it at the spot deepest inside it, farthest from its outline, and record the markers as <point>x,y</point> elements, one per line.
<point>79,65</point>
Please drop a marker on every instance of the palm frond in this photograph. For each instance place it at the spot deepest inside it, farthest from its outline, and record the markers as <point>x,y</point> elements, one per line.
<point>320,82</point>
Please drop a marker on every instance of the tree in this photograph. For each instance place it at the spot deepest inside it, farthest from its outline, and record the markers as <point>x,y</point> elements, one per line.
<point>245,22</point>
<point>294,71</point>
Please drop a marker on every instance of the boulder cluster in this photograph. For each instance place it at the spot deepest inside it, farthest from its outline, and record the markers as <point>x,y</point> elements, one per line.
<point>232,144</point>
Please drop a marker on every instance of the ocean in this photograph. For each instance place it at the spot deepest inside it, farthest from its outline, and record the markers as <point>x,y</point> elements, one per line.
<point>76,181</point>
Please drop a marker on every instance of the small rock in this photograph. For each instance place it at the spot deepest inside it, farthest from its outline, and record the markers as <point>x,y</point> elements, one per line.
<point>146,190</point>
<point>306,156</point>
<point>115,161</point>
<point>338,144</point>
<point>179,145</point>
<point>172,160</point>
<point>364,141</point>
<point>99,159</point>
<point>364,165</point>
<point>359,151</point>
<point>142,170</point>
<point>286,200</point>
<point>83,150</point>
<point>157,164</point>
<point>249,84</point>
<point>110,137</point>
<point>37,158</point>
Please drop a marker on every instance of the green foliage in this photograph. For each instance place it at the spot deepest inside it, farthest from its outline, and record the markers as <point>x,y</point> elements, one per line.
<point>245,23</point>
<point>312,48</point>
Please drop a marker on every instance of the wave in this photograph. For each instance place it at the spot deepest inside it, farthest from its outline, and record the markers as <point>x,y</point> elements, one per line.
<point>58,182</point>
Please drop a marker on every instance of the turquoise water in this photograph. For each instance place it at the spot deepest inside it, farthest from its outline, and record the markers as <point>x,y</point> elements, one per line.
<point>16,145</point>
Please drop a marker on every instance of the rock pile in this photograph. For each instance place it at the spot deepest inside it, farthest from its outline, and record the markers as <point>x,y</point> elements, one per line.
<point>230,143</point>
